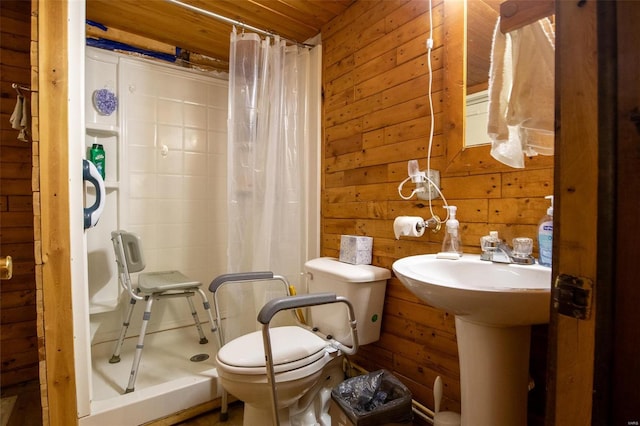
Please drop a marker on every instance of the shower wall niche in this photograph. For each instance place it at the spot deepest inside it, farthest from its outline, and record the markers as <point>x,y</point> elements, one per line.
<point>103,128</point>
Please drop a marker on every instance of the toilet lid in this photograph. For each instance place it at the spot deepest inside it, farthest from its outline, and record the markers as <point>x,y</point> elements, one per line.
<point>292,347</point>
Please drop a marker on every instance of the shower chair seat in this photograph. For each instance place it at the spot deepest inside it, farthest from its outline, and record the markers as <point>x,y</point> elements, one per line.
<point>151,286</point>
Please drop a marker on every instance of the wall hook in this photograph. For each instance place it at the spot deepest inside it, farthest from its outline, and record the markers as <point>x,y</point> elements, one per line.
<point>20,88</point>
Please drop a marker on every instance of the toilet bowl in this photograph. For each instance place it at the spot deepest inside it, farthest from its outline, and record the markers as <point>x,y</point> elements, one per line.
<point>298,369</point>
<point>306,365</point>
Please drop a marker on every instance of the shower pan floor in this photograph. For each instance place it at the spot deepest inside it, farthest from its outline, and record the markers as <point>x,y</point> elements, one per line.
<point>166,356</point>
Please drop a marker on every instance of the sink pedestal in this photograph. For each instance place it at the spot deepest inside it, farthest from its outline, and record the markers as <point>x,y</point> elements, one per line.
<point>494,373</point>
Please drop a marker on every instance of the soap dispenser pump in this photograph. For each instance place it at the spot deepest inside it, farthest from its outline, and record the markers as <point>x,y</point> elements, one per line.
<point>452,242</point>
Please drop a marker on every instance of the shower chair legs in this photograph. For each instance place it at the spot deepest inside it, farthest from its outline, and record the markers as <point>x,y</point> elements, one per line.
<point>115,358</point>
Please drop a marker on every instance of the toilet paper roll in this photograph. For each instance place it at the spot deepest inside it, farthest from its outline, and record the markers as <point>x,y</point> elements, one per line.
<point>410,226</point>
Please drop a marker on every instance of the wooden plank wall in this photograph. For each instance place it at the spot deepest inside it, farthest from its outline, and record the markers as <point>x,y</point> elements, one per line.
<point>376,118</point>
<point>19,346</point>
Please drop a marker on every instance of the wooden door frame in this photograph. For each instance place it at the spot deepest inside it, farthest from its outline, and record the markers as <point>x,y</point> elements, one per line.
<point>593,371</point>
<point>58,366</point>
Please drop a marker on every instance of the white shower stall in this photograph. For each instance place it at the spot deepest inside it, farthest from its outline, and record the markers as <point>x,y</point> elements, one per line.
<point>166,180</point>
<point>165,148</point>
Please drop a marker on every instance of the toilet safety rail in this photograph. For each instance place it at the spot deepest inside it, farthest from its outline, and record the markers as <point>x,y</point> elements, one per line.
<point>276,305</point>
<point>239,277</point>
<point>266,314</point>
<point>215,285</point>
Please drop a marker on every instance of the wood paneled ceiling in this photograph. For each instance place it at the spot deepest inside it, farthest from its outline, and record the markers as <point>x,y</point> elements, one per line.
<point>170,23</point>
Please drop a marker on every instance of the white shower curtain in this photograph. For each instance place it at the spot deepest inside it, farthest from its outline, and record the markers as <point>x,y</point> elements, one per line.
<point>273,122</point>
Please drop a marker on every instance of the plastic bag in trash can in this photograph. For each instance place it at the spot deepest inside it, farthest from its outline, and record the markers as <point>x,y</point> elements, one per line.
<point>373,399</point>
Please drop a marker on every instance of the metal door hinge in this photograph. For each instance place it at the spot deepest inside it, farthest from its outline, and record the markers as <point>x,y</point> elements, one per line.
<point>572,296</point>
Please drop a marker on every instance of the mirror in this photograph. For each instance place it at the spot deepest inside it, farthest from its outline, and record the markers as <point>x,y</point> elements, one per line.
<point>468,33</point>
<point>482,16</point>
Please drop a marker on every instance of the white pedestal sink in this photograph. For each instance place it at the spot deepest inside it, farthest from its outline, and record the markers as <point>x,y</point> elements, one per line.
<point>495,305</point>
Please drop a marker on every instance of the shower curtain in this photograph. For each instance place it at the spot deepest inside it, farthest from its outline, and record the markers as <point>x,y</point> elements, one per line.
<point>271,86</point>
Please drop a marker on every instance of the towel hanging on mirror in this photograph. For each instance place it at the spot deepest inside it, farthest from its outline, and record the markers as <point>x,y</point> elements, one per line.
<point>521,93</point>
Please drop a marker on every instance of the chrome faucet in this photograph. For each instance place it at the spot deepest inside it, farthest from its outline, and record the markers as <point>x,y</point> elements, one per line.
<point>497,251</point>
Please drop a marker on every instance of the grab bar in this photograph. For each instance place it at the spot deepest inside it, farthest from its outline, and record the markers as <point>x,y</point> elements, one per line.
<point>292,302</point>
<point>239,277</point>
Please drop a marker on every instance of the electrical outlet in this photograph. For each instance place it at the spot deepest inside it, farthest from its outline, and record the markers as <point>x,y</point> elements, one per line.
<point>430,192</point>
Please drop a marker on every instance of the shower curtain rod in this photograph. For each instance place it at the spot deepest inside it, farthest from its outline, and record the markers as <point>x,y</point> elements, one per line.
<point>234,22</point>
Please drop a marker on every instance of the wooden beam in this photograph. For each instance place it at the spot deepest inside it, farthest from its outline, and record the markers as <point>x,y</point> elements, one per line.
<point>575,235</point>
<point>54,199</point>
<point>516,14</point>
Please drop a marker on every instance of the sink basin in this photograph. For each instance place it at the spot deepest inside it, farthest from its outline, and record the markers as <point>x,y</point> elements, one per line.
<point>495,305</point>
<point>481,291</point>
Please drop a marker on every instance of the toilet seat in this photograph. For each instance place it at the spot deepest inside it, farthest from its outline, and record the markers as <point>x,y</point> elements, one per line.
<point>292,348</point>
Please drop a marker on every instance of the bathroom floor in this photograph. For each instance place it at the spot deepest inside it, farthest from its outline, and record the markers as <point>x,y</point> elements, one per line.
<point>212,418</point>
<point>21,405</point>
<point>235,418</point>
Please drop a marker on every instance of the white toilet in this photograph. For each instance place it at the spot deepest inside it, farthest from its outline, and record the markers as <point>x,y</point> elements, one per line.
<point>306,366</point>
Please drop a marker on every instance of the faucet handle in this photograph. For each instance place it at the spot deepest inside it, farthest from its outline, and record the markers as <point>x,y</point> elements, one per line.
<point>522,247</point>
<point>490,242</point>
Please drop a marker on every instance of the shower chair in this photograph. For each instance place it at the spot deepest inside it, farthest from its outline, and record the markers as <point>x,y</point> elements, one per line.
<point>151,286</point>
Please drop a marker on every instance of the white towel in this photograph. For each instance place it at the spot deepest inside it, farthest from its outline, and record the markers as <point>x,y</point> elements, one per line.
<point>20,118</point>
<point>521,93</point>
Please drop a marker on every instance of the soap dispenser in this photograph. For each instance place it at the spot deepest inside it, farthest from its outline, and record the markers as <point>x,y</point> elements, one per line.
<point>452,242</point>
<point>545,235</point>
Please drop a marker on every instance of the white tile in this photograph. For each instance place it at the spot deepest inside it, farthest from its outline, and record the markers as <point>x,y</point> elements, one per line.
<point>217,187</point>
<point>172,258</point>
<point>195,213</point>
<point>195,163</point>
<point>142,159</point>
<point>170,112</point>
<point>142,211</point>
<point>142,185</point>
<point>170,186</point>
<point>195,260</point>
<point>195,116</point>
<point>170,211</point>
<point>141,108</point>
<point>147,233</point>
<point>171,136</point>
<point>170,236</point>
<point>194,92</point>
<point>217,214</point>
<point>195,140</point>
<point>195,187</point>
<point>137,80</point>
<point>170,86</point>
<point>140,133</point>
<point>217,165</point>
<point>170,163</point>
<point>217,142</point>
<point>218,118</point>
<point>219,94</point>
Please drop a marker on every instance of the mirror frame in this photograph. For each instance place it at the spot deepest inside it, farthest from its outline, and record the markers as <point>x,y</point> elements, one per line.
<point>459,158</point>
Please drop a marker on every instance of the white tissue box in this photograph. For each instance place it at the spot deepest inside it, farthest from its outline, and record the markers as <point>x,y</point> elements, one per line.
<point>356,249</point>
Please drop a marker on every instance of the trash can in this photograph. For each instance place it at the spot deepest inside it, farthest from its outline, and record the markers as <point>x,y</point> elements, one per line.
<point>373,399</point>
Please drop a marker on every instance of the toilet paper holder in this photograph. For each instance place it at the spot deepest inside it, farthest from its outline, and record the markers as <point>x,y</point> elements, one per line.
<point>414,226</point>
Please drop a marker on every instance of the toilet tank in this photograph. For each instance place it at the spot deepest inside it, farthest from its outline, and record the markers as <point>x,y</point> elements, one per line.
<point>363,285</point>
